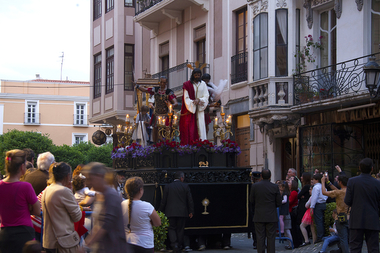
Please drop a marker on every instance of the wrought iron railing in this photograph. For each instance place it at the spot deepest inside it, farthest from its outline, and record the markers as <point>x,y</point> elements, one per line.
<point>143,5</point>
<point>179,74</point>
<point>239,68</point>
<point>332,81</point>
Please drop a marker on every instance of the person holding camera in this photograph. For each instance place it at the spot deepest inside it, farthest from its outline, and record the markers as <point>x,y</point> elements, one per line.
<point>343,211</point>
<point>318,206</point>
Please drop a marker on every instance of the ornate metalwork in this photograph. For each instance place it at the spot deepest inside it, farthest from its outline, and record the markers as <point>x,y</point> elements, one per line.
<point>181,73</point>
<point>359,4</point>
<point>331,81</point>
<point>144,162</point>
<point>143,5</point>
<point>239,68</point>
<point>281,4</point>
<point>223,130</point>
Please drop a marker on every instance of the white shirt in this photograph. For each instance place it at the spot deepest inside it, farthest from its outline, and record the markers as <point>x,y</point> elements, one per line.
<point>82,193</point>
<point>141,228</point>
<point>317,196</point>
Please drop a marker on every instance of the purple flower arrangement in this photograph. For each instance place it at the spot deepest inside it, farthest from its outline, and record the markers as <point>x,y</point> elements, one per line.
<point>136,150</point>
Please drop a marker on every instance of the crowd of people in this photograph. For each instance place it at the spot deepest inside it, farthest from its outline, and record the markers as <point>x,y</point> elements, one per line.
<point>62,196</point>
<point>122,222</point>
<point>302,204</point>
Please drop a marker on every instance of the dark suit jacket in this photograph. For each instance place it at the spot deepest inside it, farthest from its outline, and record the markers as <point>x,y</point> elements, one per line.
<point>363,196</point>
<point>38,179</point>
<point>265,197</point>
<point>177,200</point>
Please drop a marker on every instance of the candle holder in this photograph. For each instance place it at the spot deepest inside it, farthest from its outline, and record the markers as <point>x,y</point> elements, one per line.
<point>169,131</point>
<point>125,133</point>
<point>223,130</point>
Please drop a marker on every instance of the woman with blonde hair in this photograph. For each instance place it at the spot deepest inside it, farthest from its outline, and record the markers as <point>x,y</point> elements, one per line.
<point>60,210</point>
<point>139,216</point>
<point>18,201</point>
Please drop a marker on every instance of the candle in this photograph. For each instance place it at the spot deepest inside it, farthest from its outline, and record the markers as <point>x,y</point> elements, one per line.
<point>118,128</point>
<point>170,108</point>
<point>221,108</point>
<point>127,118</point>
<point>227,121</point>
<point>130,128</point>
<point>216,121</point>
<point>175,119</point>
<point>159,120</point>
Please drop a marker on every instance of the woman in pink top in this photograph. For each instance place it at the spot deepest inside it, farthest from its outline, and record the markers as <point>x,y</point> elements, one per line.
<point>18,201</point>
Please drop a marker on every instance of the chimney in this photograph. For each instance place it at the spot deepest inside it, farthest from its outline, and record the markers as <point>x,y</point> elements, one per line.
<point>38,76</point>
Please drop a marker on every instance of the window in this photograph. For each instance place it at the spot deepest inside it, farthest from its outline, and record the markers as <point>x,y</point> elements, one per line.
<point>201,51</point>
<point>241,31</point>
<point>128,67</point>
<point>200,44</point>
<point>97,75</point>
<point>79,137</point>
<point>282,42</point>
<point>298,38</point>
<point>109,5</point>
<point>80,114</point>
<point>164,57</point>
<point>31,112</point>
<point>128,3</point>
<point>239,61</point>
<point>97,9</point>
<point>109,70</point>
<point>328,32</point>
<point>260,46</point>
<point>375,29</point>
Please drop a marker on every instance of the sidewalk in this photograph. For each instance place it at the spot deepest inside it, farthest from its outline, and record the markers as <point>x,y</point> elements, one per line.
<point>241,243</point>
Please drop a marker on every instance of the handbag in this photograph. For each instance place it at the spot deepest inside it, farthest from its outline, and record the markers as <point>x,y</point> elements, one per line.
<point>66,241</point>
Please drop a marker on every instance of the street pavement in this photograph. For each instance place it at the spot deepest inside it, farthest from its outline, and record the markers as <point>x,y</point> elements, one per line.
<point>241,243</point>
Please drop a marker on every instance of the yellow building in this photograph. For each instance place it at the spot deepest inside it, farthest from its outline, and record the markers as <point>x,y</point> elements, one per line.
<point>57,108</point>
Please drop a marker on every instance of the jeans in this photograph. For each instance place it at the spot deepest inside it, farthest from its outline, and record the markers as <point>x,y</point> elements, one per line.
<point>319,211</point>
<point>342,229</point>
<point>327,240</point>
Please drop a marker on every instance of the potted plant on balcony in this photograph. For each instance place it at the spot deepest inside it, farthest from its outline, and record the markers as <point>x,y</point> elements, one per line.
<point>307,53</point>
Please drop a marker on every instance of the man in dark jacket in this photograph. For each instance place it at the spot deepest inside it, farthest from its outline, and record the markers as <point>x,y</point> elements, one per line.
<point>177,204</point>
<point>363,196</point>
<point>265,197</point>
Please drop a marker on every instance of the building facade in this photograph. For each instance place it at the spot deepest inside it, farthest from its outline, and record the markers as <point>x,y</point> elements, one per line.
<point>280,57</point>
<point>57,108</point>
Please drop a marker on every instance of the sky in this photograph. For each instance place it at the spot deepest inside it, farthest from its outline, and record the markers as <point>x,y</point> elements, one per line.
<point>34,33</point>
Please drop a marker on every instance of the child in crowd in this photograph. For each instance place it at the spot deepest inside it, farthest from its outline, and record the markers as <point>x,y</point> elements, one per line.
<point>81,190</point>
<point>307,221</point>
<point>284,208</point>
<point>333,237</point>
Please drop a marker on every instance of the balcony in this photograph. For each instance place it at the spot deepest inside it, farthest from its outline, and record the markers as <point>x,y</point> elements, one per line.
<point>239,68</point>
<point>32,118</point>
<point>149,13</point>
<point>80,120</point>
<point>179,74</point>
<point>331,86</point>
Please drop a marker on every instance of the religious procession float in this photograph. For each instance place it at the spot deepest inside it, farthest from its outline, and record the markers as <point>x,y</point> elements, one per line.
<point>219,188</point>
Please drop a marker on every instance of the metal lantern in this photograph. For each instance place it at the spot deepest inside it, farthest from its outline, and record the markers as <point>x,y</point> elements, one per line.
<point>372,70</point>
<point>99,137</point>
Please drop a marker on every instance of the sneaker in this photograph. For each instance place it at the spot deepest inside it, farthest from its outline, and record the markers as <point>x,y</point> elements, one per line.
<point>187,249</point>
<point>226,247</point>
<point>202,248</point>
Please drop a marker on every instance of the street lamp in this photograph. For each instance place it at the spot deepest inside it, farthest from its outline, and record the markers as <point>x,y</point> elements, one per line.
<point>372,70</point>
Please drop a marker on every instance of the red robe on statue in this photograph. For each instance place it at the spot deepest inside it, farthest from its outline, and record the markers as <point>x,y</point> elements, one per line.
<point>188,122</point>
